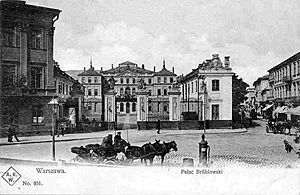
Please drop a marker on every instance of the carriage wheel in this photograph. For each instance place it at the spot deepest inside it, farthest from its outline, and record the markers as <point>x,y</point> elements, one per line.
<point>109,162</point>
<point>267,129</point>
<point>282,129</point>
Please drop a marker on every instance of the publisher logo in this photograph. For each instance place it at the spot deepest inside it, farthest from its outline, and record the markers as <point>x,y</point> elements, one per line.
<point>11,176</point>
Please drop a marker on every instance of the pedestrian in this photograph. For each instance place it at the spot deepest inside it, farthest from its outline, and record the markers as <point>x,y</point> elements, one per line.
<point>158,127</point>
<point>12,131</point>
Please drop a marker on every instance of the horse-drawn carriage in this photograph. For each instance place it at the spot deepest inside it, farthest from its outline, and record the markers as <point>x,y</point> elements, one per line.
<point>122,153</point>
<point>280,127</point>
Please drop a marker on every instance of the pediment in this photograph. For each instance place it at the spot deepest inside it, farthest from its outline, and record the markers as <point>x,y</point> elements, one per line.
<point>127,73</point>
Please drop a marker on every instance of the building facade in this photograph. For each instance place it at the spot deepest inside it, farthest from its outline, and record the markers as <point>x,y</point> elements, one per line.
<point>207,92</point>
<point>93,93</point>
<point>284,81</point>
<point>68,103</point>
<point>262,93</point>
<point>27,63</point>
<point>127,77</point>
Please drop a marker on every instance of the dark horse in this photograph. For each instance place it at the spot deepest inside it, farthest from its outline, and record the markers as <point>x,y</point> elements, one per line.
<point>147,151</point>
<point>164,148</point>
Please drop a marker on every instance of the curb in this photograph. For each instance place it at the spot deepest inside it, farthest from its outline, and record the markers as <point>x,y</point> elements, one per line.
<point>44,141</point>
<point>244,130</point>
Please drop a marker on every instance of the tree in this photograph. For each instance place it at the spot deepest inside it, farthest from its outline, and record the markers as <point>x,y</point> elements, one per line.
<point>238,95</point>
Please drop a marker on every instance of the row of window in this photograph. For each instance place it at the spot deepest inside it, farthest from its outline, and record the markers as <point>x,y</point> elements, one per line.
<point>285,92</point>
<point>35,73</point>
<point>193,87</point>
<point>292,70</point>
<point>148,81</point>
<point>133,107</point>
<point>37,39</point>
<point>89,79</point>
<point>89,92</point>
<point>64,88</point>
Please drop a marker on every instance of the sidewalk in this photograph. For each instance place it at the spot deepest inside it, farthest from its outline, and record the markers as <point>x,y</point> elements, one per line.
<point>101,134</point>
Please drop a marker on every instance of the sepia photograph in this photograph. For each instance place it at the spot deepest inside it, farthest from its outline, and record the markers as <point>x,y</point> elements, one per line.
<point>149,97</point>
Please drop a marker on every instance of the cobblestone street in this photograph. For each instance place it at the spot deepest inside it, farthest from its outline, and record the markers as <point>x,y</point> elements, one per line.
<point>250,149</point>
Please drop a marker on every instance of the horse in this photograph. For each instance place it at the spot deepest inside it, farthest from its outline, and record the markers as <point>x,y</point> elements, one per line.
<point>164,148</point>
<point>147,151</point>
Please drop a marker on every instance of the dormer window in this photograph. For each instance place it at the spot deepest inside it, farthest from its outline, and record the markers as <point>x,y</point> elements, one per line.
<point>89,79</point>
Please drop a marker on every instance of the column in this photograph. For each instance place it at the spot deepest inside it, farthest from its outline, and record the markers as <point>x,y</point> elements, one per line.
<point>49,69</point>
<point>174,105</point>
<point>110,106</point>
<point>80,109</point>
<point>142,105</point>
<point>23,49</point>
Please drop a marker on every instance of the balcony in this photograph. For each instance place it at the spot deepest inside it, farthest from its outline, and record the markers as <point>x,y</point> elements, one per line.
<point>287,79</point>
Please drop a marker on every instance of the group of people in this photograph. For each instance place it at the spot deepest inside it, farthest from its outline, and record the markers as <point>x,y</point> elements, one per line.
<point>108,141</point>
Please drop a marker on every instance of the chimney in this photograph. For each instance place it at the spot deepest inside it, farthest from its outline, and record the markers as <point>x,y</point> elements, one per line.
<point>226,61</point>
<point>143,66</point>
<point>112,65</point>
<point>164,63</point>
<point>101,69</point>
<point>173,69</point>
<point>84,69</point>
<point>154,68</point>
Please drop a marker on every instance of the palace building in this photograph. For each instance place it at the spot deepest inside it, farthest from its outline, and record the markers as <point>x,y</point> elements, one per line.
<point>127,76</point>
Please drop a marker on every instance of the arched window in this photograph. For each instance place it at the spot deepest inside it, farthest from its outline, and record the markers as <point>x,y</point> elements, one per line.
<point>127,90</point>
<point>133,90</point>
<point>133,107</point>
<point>127,80</point>
<point>121,91</point>
<point>127,107</point>
<point>133,80</point>
<point>121,107</point>
<point>121,80</point>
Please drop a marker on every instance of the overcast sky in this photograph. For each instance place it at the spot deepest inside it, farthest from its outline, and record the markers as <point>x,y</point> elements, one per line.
<point>257,35</point>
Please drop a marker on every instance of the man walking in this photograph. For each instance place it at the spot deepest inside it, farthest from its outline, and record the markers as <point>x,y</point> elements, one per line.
<point>158,127</point>
<point>12,131</point>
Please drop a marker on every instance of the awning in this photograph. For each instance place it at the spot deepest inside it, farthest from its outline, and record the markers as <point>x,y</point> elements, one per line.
<point>294,111</point>
<point>282,109</point>
<point>267,107</point>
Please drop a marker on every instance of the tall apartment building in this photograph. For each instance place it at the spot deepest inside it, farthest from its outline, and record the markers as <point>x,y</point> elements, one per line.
<point>284,80</point>
<point>26,42</point>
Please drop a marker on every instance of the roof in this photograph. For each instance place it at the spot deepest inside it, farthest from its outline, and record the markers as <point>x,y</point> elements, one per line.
<point>58,72</point>
<point>127,66</point>
<point>21,5</point>
<point>265,77</point>
<point>286,62</point>
<point>164,72</point>
<point>90,72</point>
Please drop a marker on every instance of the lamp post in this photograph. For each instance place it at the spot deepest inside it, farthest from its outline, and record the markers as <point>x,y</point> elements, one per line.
<point>203,86</point>
<point>53,103</point>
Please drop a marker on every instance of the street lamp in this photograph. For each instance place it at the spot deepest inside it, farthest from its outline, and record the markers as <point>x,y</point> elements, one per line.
<point>203,86</point>
<point>53,103</point>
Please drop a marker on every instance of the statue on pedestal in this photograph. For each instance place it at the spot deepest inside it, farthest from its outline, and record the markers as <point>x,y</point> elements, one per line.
<point>141,84</point>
